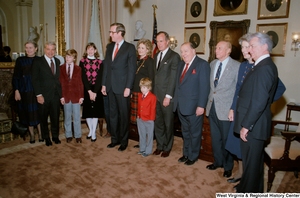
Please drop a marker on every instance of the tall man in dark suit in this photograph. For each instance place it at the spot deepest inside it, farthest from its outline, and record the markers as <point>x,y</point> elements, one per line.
<point>223,78</point>
<point>166,62</point>
<point>190,98</point>
<point>253,113</point>
<point>118,76</point>
<point>47,88</point>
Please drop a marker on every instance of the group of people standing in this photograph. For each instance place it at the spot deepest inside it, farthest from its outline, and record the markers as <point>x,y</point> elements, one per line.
<point>146,91</point>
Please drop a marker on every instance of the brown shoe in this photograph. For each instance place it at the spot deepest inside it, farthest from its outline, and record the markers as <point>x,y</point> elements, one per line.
<point>78,140</point>
<point>69,139</point>
<point>157,152</point>
<point>165,154</point>
<point>107,135</point>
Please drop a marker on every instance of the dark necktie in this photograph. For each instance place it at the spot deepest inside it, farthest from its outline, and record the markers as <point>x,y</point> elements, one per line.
<point>184,72</point>
<point>69,72</point>
<point>52,66</point>
<point>143,97</point>
<point>218,74</point>
<point>116,50</point>
<point>159,61</point>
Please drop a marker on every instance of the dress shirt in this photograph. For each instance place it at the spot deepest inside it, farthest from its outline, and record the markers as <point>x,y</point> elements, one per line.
<point>120,44</point>
<point>71,69</point>
<point>49,62</point>
<point>224,64</point>
<point>261,58</point>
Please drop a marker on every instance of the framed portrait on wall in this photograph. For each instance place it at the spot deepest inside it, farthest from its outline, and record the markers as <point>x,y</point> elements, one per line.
<point>277,33</point>
<point>196,35</point>
<point>268,9</point>
<point>232,7</point>
<point>229,31</point>
<point>195,11</point>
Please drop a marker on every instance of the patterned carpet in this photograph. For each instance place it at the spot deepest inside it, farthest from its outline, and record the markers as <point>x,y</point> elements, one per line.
<point>92,170</point>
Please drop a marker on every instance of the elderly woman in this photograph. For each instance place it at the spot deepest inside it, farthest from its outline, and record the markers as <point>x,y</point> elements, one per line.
<point>27,102</point>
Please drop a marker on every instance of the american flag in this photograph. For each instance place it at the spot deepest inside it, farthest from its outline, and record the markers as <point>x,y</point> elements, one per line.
<point>154,36</point>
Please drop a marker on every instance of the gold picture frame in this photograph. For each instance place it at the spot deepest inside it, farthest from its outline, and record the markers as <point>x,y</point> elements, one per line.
<point>271,9</point>
<point>221,30</point>
<point>236,7</point>
<point>196,35</point>
<point>277,32</point>
<point>195,11</point>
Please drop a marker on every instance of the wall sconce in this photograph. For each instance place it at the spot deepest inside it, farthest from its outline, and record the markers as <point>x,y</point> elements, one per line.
<point>295,42</point>
<point>173,42</point>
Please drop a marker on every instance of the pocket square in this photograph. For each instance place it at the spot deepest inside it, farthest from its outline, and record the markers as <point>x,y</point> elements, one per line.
<point>194,71</point>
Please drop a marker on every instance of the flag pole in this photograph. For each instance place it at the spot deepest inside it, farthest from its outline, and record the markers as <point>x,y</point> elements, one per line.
<point>154,31</point>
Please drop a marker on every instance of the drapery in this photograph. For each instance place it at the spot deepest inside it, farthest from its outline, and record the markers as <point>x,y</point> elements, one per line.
<point>79,13</point>
<point>107,16</point>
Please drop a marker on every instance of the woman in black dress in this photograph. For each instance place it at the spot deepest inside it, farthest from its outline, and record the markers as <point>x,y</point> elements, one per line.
<point>92,71</point>
<point>145,69</point>
<point>24,94</point>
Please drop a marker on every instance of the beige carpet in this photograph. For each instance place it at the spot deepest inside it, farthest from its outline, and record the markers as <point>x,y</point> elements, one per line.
<point>92,170</point>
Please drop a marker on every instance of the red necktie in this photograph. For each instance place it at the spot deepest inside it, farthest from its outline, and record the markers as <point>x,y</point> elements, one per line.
<point>116,50</point>
<point>52,66</point>
<point>184,72</point>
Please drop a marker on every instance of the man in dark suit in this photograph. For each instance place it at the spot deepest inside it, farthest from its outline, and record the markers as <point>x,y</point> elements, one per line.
<point>118,76</point>
<point>190,98</point>
<point>166,62</point>
<point>253,113</point>
<point>47,88</point>
<point>223,78</point>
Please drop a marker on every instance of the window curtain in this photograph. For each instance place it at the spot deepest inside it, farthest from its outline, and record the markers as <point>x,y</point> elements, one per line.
<point>107,16</point>
<point>94,35</point>
<point>78,14</point>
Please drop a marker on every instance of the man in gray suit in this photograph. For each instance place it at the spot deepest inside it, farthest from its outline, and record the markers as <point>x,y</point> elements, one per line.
<point>166,62</point>
<point>223,77</point>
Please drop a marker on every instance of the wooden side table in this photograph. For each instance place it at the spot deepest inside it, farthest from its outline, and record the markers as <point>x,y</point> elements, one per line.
<point>290,107</point>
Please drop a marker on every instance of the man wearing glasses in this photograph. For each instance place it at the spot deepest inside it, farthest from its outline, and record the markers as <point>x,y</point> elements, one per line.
<point>118,76</point>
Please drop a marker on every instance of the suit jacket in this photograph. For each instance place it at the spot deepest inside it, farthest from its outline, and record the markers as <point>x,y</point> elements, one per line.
<point>119,73</point>
<point>222,95</point>
<point>254,100</point>
<point>43,81</point>
<point>164,81</point>
<point>193,91</point>
<point>147,106</point>
<point>71,90</point>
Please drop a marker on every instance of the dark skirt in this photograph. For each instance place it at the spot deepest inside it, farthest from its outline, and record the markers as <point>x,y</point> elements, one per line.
<point>233,142</point>
<point>134,107</point>
<point>28,109</point>
<point>93,109</point>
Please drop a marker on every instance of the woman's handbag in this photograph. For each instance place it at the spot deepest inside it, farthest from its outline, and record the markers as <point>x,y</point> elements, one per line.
<point>18,128</point>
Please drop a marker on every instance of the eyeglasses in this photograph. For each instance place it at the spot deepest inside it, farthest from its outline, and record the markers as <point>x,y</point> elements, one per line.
<point>111,32</point>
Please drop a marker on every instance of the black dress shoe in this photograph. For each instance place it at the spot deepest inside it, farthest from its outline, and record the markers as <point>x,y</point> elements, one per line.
<point>227,173</point>
<point>32,141</point>
<point>190,162</point>
<point>235,187</point>
<point>122,148</point>
<point>56,140</point>
<point>88,137</point>
<point>233,180</point>
<point>48,142</point>
<point>93,140</point>
<point>183,159</point>
<point>112,145</point>
<point>212,167</point>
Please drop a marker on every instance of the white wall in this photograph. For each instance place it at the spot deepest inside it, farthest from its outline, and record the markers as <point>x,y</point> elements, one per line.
<point>171,17</point>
